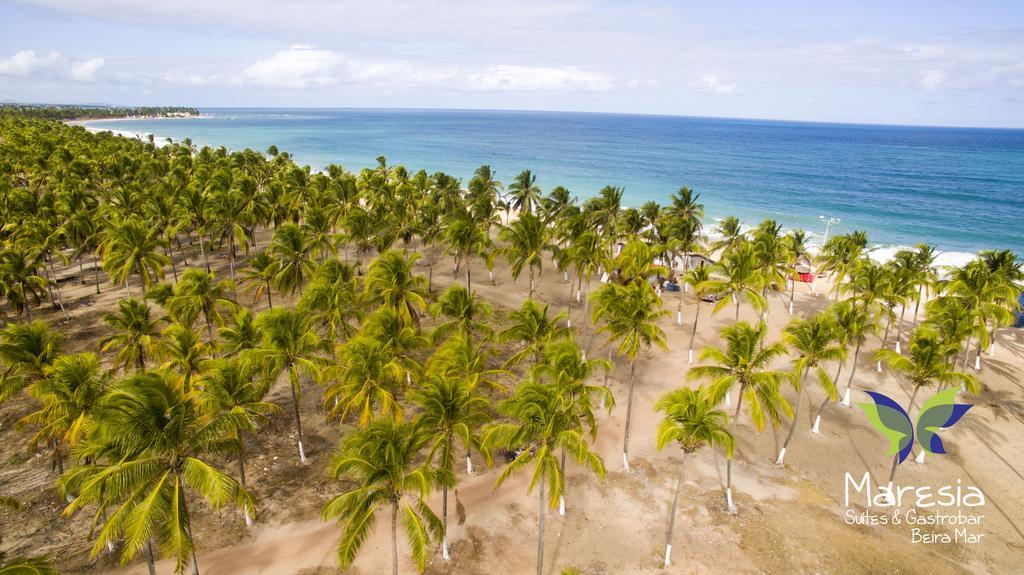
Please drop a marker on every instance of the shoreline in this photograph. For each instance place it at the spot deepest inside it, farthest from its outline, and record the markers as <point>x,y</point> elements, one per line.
<point>879,252</point>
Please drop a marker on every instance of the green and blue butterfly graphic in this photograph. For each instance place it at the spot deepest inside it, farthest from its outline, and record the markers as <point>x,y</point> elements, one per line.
<point>939,412</point>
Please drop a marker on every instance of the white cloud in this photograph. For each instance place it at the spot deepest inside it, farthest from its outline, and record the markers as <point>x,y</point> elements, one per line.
<point>538,78</point>
<point>27,62</point>
<point>713,84</point>
<point>85,71</point>
<point>932,79</point>
<point>297,67</point>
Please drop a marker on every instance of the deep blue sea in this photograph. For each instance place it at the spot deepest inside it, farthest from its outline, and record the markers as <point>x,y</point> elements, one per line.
<point>961,189</point>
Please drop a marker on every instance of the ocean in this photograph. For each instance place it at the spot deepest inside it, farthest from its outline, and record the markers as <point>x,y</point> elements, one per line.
<point>960,189</point>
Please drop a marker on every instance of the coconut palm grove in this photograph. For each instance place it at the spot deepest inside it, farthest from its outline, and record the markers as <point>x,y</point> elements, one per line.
<point>198,344</point>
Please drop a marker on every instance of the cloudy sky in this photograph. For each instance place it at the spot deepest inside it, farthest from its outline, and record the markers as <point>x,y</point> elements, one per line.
<point>907,61</point>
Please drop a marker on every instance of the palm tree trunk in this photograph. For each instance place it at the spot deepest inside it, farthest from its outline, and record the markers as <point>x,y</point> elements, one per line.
<point>96,274</point>
<point>293,376</point>
<point>896,458</point>
<point>444,522</point>
<point>561,498</point>
<point>796,416</point>
<point>817,414</point>
<point>792,292</point>
<point>184,507</point>
<point>672,514</point>
<point>394,538</point>
<point>202,250</point>
<point>270,302</point>
<point>586,307</point>
<point>174,268</point>
<point>853,371</point>
<point>606,374</point>
<point>899,329</point>
<point>149,558</point>
<point>728,462</point>
<point>917,305</point>
<point>56,286</point>
<point>231,262</point>
<point>693,331</point>
<point>540,522</point>
<point>241,459</point>
<point>81,271</point>
<point>531,282</point>
<point>629,415</point>
<point>737,300</point>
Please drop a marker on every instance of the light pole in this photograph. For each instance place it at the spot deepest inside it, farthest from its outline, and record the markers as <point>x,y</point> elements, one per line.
<point>828,226</point>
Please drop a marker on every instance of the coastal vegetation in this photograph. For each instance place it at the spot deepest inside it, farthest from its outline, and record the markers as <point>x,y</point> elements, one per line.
<point>329,289</point>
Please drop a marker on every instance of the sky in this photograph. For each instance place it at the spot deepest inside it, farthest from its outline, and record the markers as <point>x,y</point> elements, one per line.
<point>935,62</point>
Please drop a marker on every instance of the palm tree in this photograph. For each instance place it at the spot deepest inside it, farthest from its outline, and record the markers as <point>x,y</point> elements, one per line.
<point>148,457</point>
<point>131,247</point>
<point>629,315</point>
<point>984,293</point>
<point>466,238</point>
<point>526,240</point>
<point>524,194</point>
<point>134,333</point>
<point>565,366</point>
<point>926,274</point>
<point>241,335</point>
<point>741,277</point>
<point>28,566</point>
<point>856,323</point>
<point>692,422</point>
<point>385,460</point>
<point>259,276</point>
<point>730,233</point>
<point>796,250</point>
<point>71,389</point>
<point>288,346</point>
<point>745,363</point>
<point>543,424</point>
<point>466,314</point>
<point>20,281</point>
<point>230,386</point>
<point>184,353</point>
<point>367,378</point>
<point>814,341</point>
<point>292,249</point>
<point>452,411</point>
<point>27,350</point>
<point>587,252</point>
<point>840,254</point>
<point>391,282</point>
<point>697,278</point>
<point>532,327</point>
<point>200,294</point>
<point>929,362</point>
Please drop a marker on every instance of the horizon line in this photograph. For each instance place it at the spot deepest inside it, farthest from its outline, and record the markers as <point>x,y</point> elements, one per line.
<point>549,111</point>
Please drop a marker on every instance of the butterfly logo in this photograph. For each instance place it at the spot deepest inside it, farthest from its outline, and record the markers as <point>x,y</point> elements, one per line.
<point>939,412</point>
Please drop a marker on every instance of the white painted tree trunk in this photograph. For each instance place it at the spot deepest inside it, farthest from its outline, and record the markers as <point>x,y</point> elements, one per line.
<point>625,462</point>
<point>248,520</point>
<point>977,362</point>
<point>728,500</point>
<point>728,400</point>
<point>790,308</point>
<point>579,297</point>
<point>561,505</point>
<point>846,397</point>
<point>469,465</point>
<point>302,453</point>
<point>898,348</point>
<point>878,367</point>
<point>444,548</point>
<point>679,318</point>
<point>668,554</point>
<point>816,428</point>
<point>920,457</point>
<point>690,358</point>
<point>782,456</point>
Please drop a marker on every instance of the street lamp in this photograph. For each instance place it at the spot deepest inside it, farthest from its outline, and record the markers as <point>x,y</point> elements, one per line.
<point>828,226</point>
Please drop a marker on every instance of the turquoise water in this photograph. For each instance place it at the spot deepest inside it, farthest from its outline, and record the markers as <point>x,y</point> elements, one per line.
<point>959,189</point>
